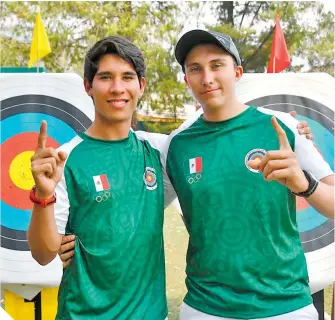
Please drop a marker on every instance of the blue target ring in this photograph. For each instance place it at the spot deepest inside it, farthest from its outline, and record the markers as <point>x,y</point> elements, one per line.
<point>31,122</point>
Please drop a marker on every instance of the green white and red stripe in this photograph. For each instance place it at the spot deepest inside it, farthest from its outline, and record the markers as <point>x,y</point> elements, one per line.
<point>101,182</point>
<point>195,165</point>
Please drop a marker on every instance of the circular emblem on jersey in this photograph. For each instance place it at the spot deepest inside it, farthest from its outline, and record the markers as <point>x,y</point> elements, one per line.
<point>254,154</point>
<point>149,178</point>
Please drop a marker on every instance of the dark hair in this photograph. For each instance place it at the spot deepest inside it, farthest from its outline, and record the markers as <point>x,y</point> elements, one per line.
<point>118,45</point>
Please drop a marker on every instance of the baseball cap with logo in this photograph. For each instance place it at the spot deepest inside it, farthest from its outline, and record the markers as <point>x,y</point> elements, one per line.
<point>195,37</point>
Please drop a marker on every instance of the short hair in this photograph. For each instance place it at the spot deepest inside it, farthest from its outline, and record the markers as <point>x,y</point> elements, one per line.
<point>117,45</point>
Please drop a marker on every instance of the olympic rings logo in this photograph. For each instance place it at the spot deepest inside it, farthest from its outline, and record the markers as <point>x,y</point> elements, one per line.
<point>102,198</point>
<point>193,179</point>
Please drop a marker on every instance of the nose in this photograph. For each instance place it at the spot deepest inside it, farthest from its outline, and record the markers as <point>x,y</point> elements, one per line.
<point>207,78</point>
<point>116,87</point>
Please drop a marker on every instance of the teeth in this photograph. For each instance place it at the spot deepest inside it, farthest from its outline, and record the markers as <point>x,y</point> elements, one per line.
<point>117,103</point>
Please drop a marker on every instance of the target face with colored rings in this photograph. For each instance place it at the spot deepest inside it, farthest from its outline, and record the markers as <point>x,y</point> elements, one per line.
<point>26,100</point>
<point>21,118</point>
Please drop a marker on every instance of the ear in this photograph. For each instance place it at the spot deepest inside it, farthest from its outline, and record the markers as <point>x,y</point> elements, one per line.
<point>238,73</point>
<point>88,87</point>
<point>143,83</point>
<point>186,81</point>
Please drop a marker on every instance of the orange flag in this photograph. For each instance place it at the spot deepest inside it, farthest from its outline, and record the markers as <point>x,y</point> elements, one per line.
<point>279,58</point>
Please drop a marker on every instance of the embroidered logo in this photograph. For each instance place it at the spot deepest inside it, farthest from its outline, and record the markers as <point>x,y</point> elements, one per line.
<point>101,182</point>
<point>254,154</point>
<point>149,178</point>
<point>195,167</point>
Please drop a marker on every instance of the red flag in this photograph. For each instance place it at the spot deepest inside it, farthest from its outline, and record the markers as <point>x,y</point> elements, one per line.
<point>279,58</point>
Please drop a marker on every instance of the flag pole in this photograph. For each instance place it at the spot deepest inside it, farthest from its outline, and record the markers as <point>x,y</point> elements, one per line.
<point>274,59</point>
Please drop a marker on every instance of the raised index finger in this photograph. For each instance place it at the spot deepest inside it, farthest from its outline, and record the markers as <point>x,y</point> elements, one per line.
<point>281,134</point>
<point>43,136</point>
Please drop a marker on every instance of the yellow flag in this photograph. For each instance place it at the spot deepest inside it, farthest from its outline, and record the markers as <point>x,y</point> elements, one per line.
<point>40,46</point>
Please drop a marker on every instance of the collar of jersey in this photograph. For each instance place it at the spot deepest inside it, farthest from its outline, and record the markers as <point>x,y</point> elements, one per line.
<point>226,123</point>
<point>124,141</point>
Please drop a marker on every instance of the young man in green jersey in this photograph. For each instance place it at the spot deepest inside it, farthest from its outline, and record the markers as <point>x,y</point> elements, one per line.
<point>110,195</point>
<point>236,171</point>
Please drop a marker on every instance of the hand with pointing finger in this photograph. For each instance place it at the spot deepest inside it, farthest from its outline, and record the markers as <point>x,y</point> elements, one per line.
<point>47,166</point>
<point>281,165</point>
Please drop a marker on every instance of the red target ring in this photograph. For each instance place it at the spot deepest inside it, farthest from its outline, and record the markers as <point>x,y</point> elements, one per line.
<point>11,193</point>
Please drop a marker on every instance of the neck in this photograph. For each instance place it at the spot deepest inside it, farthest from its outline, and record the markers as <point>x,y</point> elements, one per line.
<point>108,130</point>
<point>229,110</point>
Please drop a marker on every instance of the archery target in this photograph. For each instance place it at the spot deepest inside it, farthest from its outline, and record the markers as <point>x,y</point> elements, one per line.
<point>312,97</point>
<point>26,100</point>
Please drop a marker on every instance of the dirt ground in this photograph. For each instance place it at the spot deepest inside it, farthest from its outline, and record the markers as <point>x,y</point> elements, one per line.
<point>176,240</point>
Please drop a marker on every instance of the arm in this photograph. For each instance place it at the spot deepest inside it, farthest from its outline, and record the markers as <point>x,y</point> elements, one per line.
<point>323,197</point>
<point>43,237</point>
<point>47,167</point>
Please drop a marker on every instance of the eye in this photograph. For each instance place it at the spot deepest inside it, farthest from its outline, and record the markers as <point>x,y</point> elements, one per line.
<point>217,65</point>
<point>194,69</point>
<point>105,77</point>
<point>128,78</point>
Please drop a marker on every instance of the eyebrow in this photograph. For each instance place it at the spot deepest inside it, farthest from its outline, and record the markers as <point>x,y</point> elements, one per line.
<point>108,73</point>
<point>212,61</point>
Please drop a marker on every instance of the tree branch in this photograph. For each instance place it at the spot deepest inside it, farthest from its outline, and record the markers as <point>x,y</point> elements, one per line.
<point>244,11</point>
<point>246,61</point>
<point>256,15</point>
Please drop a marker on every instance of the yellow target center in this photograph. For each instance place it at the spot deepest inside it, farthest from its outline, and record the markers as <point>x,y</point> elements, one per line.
<point>20,170</point>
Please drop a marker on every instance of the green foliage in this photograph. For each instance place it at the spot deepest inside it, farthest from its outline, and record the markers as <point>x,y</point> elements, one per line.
<point>73,27</point>
<point>308,30</point>
<point>158,127</point>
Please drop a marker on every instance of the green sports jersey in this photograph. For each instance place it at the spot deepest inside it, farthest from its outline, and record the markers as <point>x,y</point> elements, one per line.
<point>111,199</point>
<point>244,258</point>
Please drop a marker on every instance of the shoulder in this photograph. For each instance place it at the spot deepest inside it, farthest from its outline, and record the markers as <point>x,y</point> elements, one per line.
<point>155,140</point>
<point>284,117</point>
<point>70,146</point>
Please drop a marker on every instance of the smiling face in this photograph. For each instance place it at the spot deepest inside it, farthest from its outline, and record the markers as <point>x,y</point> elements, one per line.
<point>115,89</point>
<point>211,74</point>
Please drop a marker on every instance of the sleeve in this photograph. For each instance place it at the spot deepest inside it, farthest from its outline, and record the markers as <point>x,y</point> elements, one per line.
<point>307,153</point>
<point>62,205</point>
<point>159,142</point>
